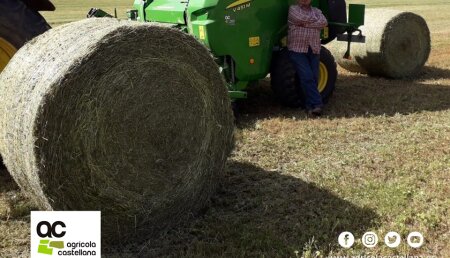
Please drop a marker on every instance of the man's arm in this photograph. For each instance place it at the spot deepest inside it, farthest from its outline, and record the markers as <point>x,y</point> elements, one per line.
<point>299,18</point>
<point>319,22</point>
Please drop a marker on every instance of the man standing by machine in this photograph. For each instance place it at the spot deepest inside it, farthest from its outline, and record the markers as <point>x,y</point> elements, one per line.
<point>305,23</point>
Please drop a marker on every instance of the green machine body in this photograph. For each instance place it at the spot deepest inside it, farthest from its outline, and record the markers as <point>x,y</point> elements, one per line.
<point>244,35</point>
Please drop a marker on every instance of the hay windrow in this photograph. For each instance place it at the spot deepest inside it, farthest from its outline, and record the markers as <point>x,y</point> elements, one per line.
<point>397,45</point>
<point>128,118</point>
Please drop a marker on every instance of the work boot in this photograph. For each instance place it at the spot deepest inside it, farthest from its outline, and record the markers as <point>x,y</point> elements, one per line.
<point>317,111</point>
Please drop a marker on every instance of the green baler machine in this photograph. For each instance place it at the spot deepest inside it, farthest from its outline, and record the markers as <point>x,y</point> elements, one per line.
<point>248,38</point>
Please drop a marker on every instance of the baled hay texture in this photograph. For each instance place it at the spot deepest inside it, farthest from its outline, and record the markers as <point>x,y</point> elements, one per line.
<point>128,118</point>
<point>397,45</point>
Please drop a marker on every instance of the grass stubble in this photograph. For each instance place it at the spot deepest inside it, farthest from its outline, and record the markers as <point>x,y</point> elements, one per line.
<point>379,160</point>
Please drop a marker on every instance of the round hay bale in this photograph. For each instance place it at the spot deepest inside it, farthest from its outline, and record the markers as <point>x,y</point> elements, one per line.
<point>397,45</point>
<point>128,118</point>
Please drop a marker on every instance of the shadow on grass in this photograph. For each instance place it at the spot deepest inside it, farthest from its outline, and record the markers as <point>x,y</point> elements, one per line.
<point>6,182</point>
<point>432,72</point>
<point>359,96</point>
<point>255,212</point>
<point>258,212</point>
<point>13,203</point>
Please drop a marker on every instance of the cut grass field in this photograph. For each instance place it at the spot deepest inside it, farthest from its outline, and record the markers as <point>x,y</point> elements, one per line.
<point>379,160</point>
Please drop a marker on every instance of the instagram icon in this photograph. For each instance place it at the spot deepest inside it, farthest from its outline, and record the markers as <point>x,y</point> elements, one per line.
<point>370,239</point>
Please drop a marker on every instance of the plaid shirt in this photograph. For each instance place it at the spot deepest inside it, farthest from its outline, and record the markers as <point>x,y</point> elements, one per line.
<point>305,24</point>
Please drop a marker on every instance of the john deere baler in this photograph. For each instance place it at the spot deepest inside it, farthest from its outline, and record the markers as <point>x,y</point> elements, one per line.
<point>248,36</point>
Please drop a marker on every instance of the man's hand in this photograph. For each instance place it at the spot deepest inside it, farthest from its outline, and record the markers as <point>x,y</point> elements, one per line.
<point>319,21</point>
<point>313,19</point>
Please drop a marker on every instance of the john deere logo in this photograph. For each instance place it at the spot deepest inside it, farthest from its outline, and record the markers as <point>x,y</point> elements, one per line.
<point>239,5</point>
<point>46,229</point>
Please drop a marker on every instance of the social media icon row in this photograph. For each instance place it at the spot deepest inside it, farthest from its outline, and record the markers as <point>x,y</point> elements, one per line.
<point>391,239</point>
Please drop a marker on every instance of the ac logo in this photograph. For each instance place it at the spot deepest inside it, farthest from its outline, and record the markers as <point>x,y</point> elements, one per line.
<point>50,230</point>
<point>65,233</point>
<point>45,229</point>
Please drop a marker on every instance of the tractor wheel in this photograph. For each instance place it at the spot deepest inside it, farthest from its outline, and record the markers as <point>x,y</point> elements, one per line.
<point>18,24</point>
<point>327,74</point>
<point>284,79</point>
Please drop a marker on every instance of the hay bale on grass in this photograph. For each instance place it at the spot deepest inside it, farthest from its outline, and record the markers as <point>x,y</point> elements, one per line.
<point>397,45</point>
<point>128,118</point>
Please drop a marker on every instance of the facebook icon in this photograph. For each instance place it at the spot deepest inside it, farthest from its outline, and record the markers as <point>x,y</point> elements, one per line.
<point>346,239</point>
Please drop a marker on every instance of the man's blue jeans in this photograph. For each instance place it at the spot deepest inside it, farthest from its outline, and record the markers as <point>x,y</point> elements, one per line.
<point>307,67</point>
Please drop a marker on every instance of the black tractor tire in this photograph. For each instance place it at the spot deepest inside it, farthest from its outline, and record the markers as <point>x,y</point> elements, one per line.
<point>19,24</point>
<point>284,80</point>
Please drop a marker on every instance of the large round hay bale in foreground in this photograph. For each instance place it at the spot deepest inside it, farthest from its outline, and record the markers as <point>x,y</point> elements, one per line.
<point>128,118</point>
<point>397,45</point>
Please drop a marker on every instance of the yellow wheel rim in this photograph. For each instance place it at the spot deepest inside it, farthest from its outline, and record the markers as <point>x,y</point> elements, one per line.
<point>6,52</point>
<point>323,77</point>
